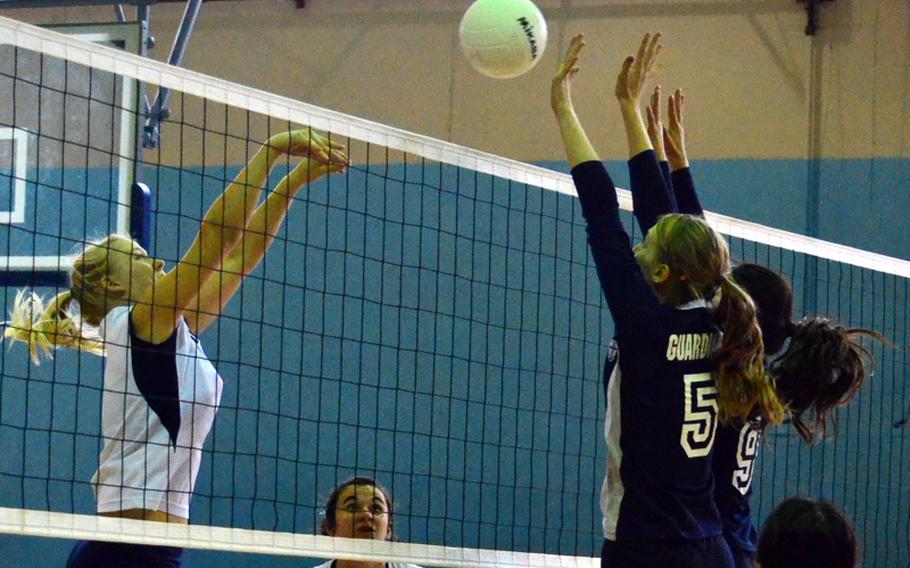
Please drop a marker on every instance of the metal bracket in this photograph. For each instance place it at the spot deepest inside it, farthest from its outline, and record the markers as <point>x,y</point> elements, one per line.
<point>158,110</point>
<point>812,15</point>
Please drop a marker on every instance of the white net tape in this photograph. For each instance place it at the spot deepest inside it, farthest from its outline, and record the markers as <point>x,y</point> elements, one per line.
<point>214,89</point>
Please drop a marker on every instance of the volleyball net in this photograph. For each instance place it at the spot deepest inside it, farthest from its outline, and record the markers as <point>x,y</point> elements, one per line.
<point>429,318</point>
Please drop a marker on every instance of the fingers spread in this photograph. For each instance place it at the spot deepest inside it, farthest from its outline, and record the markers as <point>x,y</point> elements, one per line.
<point>655,46</point>
<point>576,45</point>
<point>668,142</point>
<point>643,46</point>
<point>675,104</point>
<point>622,79</point>
<point>680,104</point>
<point>569,66</point>
<point>653,50</point>
<point>627,63</point>
<point>654,106</point>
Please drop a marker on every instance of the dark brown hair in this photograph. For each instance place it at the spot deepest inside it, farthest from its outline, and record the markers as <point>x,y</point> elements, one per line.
<point>773,298</point>
<point>824,367</point>
<point>806,533</point>
<point>331,504</point>
<point>825,364</point>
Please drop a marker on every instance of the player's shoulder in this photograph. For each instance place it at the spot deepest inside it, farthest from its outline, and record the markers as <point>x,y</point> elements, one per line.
<point>115,321</point>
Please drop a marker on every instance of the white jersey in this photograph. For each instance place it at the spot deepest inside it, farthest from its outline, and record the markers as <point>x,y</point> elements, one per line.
<point>158,405</point>
<point>396,565</point>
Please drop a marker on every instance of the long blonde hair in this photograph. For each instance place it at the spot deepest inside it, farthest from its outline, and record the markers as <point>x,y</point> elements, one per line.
<point>700,263</point>
<point>71,318</point>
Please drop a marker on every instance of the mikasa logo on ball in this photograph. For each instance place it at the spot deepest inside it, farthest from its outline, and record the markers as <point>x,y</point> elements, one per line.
<point>529,31</point>
<point>503,38</point>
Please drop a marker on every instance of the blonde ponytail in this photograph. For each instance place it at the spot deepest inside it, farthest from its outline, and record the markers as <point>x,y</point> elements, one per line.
<point>71,318</point>
<point>700,260</point>
<point>744,389</point>
<point>44,329</point>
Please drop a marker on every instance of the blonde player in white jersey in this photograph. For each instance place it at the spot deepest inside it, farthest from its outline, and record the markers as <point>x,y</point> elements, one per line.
<point>161,392</point>
<point>359,508</point>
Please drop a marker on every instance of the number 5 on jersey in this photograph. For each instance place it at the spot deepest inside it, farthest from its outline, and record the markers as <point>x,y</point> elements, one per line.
<point>699,414</point>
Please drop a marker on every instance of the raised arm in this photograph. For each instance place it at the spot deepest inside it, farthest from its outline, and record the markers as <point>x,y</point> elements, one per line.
<point>623,284</point>
<point>674,136</point>
<point>675,143</point>
<point>629,85</point>
<point>574,139</point>
<point>655,126</point>
<point>656,134</point>
<point>650,194</point>
<point>259,234</point>
<point>156,314</point>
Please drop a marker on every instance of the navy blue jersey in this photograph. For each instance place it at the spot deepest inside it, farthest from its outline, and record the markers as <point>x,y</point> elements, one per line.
<point>735,451</point>
<point>683,190</point>
<point>91,554</point>
<point>737,444</point>
<point>656,191</point>
<point>668,553</point>
<point>652,195</point>
<point>661,395</point>
<point>668,183</point>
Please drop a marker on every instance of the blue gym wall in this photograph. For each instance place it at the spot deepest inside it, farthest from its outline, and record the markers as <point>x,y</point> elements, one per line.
<point>762,96</point>
<point>367,361</point>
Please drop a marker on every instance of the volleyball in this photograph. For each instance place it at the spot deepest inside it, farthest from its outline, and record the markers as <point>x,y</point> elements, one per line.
<point>503,38</point>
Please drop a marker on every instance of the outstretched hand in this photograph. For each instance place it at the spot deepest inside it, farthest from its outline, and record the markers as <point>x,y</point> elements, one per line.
<point>311,170</point>
<point>674,136</point>
<point>655,127</point>
<point>306,142</point>
<point>561,87</point>
<point>636,70</point>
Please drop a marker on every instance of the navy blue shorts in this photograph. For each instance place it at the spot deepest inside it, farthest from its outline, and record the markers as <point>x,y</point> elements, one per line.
<point>671,553</point>
<point>94,554</point>
<point>743,558</point>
